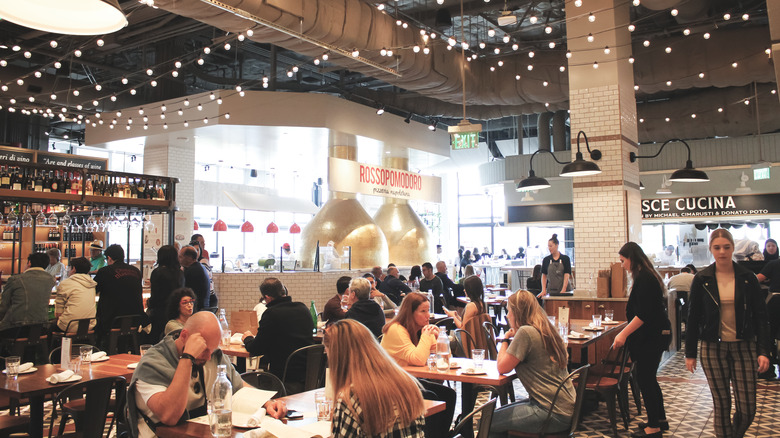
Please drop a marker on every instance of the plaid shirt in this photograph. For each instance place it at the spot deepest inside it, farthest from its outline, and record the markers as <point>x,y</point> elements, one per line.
<point>346,425</point>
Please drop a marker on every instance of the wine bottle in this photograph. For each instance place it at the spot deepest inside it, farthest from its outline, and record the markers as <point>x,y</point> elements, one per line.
<point>5,179</point>
<point>38,181</point>
<point>16,180</point>
<point>88,190</point>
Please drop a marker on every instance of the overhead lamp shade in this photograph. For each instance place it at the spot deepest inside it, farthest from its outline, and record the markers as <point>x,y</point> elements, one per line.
<point>533,182</point>
<point>83,17</point>
<point>219,225</point>
<point>641,185</point>
<point>195,225</point>
<point>247,227</point>
<point>580,167</point>
<point>295,229</point>
<point>689,174</point>
<point>272,228</point>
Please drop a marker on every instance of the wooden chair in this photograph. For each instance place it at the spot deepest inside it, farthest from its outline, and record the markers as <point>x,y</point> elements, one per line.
<point>265,380</point>
<point>83,333</point>
<point>26,341</point>
<point>10,424</point>
<point>124,328</point>
<point>485,420</point>
<point>580,373</point>
<point>315,362</point>
<point>90,397</point>
<point>609,379</point>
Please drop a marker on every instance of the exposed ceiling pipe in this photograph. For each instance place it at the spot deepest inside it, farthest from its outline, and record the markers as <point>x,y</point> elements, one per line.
<point>543,129</point>
<point>559,130</point>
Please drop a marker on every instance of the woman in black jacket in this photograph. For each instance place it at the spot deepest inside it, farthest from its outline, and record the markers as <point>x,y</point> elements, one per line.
<point>729,315</point>
<point>643,335</point>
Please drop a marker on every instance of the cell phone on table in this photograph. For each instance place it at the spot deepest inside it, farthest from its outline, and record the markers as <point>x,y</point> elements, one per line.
<point>294,415</point>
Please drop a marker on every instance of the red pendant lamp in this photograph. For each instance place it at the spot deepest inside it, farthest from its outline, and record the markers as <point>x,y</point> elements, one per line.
<point>195,226</point>
<point>295,228</point>
<point>219,225</point>
<point>272,228</point>
<point>247,227</point>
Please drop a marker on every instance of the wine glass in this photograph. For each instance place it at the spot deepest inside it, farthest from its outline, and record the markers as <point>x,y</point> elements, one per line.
<point>103,221</point>
<point>53,220</point>
<point>135,223</point>
<point>345,302</point>
<point>148,224</point>
<point>40,219</point>
<point>92,222</point>
<point>65,219</point>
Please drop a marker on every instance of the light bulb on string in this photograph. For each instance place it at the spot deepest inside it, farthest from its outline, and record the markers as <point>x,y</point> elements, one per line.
<point>674,12</point>
<point>607,50</point>
<point>211,96</point>
<point>241,37</point>
<point>686,32</point>
<point>562,69</point>
<point>701,75</point>
<point>355,53</point>
<point>500,63</point>
<point>727,16</point>
<point>693,116</point>
<point>491,32</point>
<point>180,112</point>
<point>595,64</point>
<point>482,45</point>
<point>416,49</point>
<point>545,83</point>
<point>517,77</point>
<point>207,50</point>
<point>219,100</point>
<point>177,64</point>
<point>492,68</point>
<point>37,74</point>
<point>98,87</point>
<point>532,19</point>
<point>720,110</point>
<point>530,67</point>
<point>165,126</point>
<point>551,44</point>
<point>187,101</point>
<point>76,92</point>
<point>706,35</point>
<point>53,44</point>
<point>205,120</point>
<point>578,3</point>
<point>186,123</point>
<point>3,63</point>
<point>548,30</point>
<point>497,51</point>
<point>636,2</point>
<point>77,53</point>
<point>227,46</point>
<point>506,38</point>
<point>531,54</point>
<point>53,96</point>
<point>201,61</point>
<point>667,119</point>
<point>568,54</point>
<point>591,17</point>
<point>153,83</point>
<point>57,64</point>
<point>100,42</point>
<point>175,73</point>
<point>668,83</point>
<point>250,32</point>
<point>734,65</point>
<point>132,92</point>
<point>16,48</point>
<point>200,107</point>
<point>514,47</point>
<point>630,59</point>
<point>426,50</point>
<point>745,17</point>
<point>668,49</point>
<point>149,72</point>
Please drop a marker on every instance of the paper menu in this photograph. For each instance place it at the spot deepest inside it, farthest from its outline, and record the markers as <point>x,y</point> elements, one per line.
<point>563,316</point>
<point>278,429</point>
<point>247,399</point>
<point>65,353</point>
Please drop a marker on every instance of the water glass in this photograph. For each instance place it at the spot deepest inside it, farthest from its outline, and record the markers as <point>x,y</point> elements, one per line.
<point>144,348</point>
<point>12,366</point>
<point>323,406</point>
<point>75,364</point>
<point>345,302</point>
<point>86,355</point>
<point>443,361</point>
<point>478,356</point>
<point>609,315</point>
<point>226,335</point>
<point>597,320</point>
<point>552,320</point>
<point>432,362</point>
<point>220,421</point>
<point>563,330</point>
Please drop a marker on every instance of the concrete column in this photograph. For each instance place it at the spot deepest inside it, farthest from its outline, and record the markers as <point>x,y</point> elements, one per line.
<point>607,211</point>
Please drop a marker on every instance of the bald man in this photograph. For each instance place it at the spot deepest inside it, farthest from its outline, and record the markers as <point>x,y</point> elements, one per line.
<point>178,366</point>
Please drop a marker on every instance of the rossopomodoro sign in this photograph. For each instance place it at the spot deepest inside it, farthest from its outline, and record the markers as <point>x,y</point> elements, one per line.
<point>353,177</point>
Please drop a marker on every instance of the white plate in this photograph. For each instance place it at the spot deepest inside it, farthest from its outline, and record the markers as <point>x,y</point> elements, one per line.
<point>240,420</point>
<point>610,322</point>
<point>73,378</point>
<point>473,372</point>
<point>102,359</point>
<point>29,370</point>
<point>578,337</point>
<point>594,329</point>
<point>132,365</point>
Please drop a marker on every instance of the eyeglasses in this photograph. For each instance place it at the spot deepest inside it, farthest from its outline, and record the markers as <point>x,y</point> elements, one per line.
<point>187,302</point>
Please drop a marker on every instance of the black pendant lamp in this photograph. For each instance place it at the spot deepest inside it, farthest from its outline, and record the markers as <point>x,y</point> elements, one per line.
<point>580,167</point>
<point>534,182</point>
<point>686,174</point>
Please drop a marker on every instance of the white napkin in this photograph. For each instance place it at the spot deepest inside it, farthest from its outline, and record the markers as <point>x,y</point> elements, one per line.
<point>61,377</point>
<point>257,433</point>
<point>132,365</point>
<point>236,339</point>
<point>576,334</point>
<point>256,418</point>
<point>98,355</point>
<point>25,366</point>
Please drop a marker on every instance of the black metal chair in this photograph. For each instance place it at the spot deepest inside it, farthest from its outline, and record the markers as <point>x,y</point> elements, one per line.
<point>123,328</point>
<point>580,373</point>
<point>84,334</point>
<point>610,380</point>
<point>485,420</point>
<point>90,397</point>
<point>54,355</point>
<point>27,340</point>
<point>315,361</point>
<point>446,323</point>
<point>490,331</point>
<point>265,380</point>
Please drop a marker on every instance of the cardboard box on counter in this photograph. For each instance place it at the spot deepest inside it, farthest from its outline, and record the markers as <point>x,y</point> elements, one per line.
<point>619,281</point>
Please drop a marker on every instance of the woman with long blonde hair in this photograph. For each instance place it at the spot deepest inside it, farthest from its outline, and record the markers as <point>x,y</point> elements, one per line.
<point>391,406</point>
<point>537,354</point>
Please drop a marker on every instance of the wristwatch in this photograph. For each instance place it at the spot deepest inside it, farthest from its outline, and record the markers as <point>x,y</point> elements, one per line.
<point>506,340</point>
<point>187,356</point>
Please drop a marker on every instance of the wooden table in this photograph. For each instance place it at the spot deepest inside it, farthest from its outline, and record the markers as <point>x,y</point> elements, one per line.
<point>302,402</point>
<point>579,349</point>
<point>491,377</point>
<point>240,353</point>
<point>35,387</point>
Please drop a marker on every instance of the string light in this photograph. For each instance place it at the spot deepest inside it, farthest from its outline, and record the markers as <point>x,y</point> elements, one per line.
<point>727,16</point>
<point>3,63</point>
<point>77,53</point>
<point>532,19</point>
<point>57,64</point>
<point>686,32</point>
<point>491,33</point>
<point>630,59</point>
<point>530,67</point>
<point>674,12</point>
<point>551,44</point>
<point>517,77</point>
<point>591,17</point>
<point>706,35</point>
<point>701,75</point>
<point>595,64</point>
<point>568,54</point>
<point>668,50</point>
<point>100,42</point>
<point>606,50</point>
<point>590,37</point>
<point>506,38</point>
<point>426,50</point>
<point>531,54</point>
<point>548,30</point>
<point>646,43</point>
<point>578,3</point>
<point>133,91</point>
<point>631,28</point>
<point>562,69</point>
<point>745,17</point>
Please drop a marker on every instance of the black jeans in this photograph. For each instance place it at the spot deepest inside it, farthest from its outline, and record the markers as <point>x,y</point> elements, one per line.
<point>646,363</point>
<point>438,425</point>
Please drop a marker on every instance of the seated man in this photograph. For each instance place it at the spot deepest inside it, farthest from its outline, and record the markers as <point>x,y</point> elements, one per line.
<point>363,309</point>
<point>284,327</point>
<point>451,290</point>
<point>173,378</point>
<point>394,288</point>
<point>75,296</point>
<point>432,283</point>
<point>56,268</point>
<point>25,297</point>
<point>333,311</point>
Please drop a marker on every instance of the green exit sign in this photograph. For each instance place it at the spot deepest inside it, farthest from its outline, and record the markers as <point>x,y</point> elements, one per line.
<point>762,173</point>
<point>465,140</point>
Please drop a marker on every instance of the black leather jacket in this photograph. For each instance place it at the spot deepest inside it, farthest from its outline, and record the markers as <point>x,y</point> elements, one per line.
<point>704,310</point>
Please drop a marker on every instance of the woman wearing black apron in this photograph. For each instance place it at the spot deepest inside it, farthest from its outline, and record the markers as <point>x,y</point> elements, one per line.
<point>556,270</point>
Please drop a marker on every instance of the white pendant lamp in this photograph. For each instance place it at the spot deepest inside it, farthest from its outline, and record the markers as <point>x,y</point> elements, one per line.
<point>79,17</point>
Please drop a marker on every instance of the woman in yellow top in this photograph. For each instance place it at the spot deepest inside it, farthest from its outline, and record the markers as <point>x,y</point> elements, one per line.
<point>409,339</point>
<point>367,407</point>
